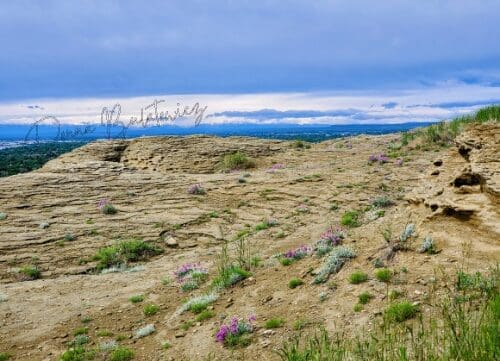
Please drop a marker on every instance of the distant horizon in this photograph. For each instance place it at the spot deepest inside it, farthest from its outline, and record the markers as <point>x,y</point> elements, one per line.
<point>332,107</point>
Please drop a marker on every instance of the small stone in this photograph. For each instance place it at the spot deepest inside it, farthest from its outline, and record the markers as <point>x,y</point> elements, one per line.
<point>268,333</point>
<point>171,242</point>
<point>180,334</point>
<point>438,162</point>
<point>44,225</point>
<point>435,172</point>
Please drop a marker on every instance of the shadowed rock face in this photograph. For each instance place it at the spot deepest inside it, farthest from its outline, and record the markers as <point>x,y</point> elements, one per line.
<point>468,184</point>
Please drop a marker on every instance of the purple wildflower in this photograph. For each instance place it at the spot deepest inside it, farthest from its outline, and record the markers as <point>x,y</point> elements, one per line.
<point>298,253</point>
<point>382,158</point>
<point>196,189</point>
<point>275,167</point>
<point>334,237</point>
<point>188,271</point>
<point>222,333</point>
<point>236,327</point>
<point>103,203</point>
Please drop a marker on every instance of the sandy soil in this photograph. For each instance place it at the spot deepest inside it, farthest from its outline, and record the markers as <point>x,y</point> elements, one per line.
<point>147,180</point>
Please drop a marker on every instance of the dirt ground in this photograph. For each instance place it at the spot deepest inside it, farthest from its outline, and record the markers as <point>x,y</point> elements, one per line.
<point>147,180</point>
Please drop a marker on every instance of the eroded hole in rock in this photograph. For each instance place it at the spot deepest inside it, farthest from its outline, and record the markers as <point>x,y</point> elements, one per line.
<point>462,214</point>
<point>468,179</point>
<point>464,152</point>
<point>434,207</point>
<point>116,154</point>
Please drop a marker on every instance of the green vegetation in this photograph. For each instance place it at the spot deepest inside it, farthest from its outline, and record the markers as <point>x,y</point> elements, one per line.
<point>78,354</point>
<point>350,219</point>
<point>150,310</point>
<point>187,325</point>
<point>382,202</point>
<point>109,209</point>
<point>4,356</point>
<point>383,274</point>
<point>461,323</point>
<point>357,277</point>
<point>237,160</point>
<point>204,315</point>
<point>31,272</point>
<point>126,251</point>
<point>121,354</point>
<point>199,304</point>
<point>30,157</point>
<point>274,323</point>
<point>443,133</point>
<point>400,312</point>
<point>364,298</point>
<point>358,307</point>
<point>285,261</point>
<point>104,333</point>
<point>295,282</point>
<point>80,331</point>
<point>136,298</point>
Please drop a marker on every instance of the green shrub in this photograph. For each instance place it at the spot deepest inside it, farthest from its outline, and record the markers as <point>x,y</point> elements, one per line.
<point>77,354</point>
<point>274,323</point>
<point>383,274</point>
<point>30,272</point>
<point>80,331</point>
<point>357,277</point>
<point>382,202</point>
<point>230,276</point>
<point>358,307</point>
<point>136,298</point>
<point>295,282</point>
<point>364,298</point>
<point>401,311</point>
<point>393,294</point>
<point>199,304</point>
<point>237,160</point>
<point>121,354</point>
<point>104,333</point>
<point>285,261</point>
<point>150,310</point>
<point>125,251</point>
<point>350,219</point>
<point>4,356</point>
<point>204,315</point>
<point>109,209</point>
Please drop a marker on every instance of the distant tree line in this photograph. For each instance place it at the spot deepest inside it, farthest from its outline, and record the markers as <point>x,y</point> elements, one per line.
<point>26,158</point>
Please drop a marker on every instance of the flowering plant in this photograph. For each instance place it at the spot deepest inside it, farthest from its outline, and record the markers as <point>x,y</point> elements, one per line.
<point>275,167</point>
<point>302,208</point>
<point>190,275</point>
<point>102,203</point>
<point>298,253</point>
<point>196,189</point>
<point>236,332</point>
<point>381,158</point>
<point>328,240</point>
<point>334,237</point>
<point>293,255</point>
<point>106,207</point>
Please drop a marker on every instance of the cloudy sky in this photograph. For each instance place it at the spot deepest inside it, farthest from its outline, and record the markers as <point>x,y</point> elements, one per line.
<point>69,52</point>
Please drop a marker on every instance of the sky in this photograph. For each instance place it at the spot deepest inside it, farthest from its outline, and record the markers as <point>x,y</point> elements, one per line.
<point>72,52</point>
